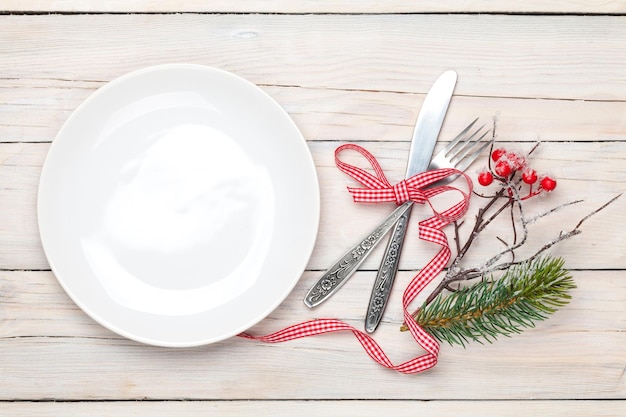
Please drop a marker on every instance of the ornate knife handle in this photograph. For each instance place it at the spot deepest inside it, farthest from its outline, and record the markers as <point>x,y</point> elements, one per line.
<point>338,274</point>
<point>386,274</point>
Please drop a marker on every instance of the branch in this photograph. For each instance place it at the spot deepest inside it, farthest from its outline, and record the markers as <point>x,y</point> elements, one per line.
<point>492,308</point>
<point>554,210</point>
<point>597,210</point>
<point>456,274</point>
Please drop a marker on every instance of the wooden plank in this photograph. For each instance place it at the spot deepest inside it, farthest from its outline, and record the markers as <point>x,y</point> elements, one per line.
<point>316,6</point>
<point>343,78</point>
<point>546,57</point>
<point>52,350</point>
<point>317,408</point>
<point>19,173</point>
<point>587,170</point>
<point>341,115</point>
<point>36,306</point>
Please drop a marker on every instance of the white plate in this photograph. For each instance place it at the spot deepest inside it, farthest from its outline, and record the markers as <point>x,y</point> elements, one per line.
<point>178,205</point>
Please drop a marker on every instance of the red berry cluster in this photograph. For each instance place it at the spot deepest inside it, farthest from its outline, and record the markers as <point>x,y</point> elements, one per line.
<point>507,164</point>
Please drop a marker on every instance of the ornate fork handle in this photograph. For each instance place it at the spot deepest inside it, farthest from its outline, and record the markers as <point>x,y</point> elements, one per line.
<point>340,271</point>
<point>386,274</point>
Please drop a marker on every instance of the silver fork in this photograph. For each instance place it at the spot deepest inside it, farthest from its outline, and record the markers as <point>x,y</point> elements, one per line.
<point>459,154</point>
<point>345,266</point>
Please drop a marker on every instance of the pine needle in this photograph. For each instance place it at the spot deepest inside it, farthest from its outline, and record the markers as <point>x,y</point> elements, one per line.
<point>526,293</point>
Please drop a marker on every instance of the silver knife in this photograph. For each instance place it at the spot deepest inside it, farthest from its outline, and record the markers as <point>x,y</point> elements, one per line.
<point>425,135</point>
<point>344,267</point>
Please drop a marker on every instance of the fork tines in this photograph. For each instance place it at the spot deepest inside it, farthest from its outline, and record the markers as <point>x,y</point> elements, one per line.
<point>471,142</point>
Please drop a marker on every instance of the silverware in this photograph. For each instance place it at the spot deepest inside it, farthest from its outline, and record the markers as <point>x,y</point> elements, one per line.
<point>459,154</point>
<point>427,129</point>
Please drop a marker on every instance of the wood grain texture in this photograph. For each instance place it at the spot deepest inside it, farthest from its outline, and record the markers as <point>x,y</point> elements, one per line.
<point>35,110</point>
<point>317,408</point>
<point>343,223</point>
<point>49,349</point>
<point>345,72</point>
<point>496,55</point>
<point>317,6</point>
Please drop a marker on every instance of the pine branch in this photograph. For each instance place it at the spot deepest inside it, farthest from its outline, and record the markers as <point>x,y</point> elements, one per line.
<point>456,273</point>
<point>526,293</point>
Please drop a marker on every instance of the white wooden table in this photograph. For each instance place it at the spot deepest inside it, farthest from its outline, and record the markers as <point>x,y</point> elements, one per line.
<point>345,72</point>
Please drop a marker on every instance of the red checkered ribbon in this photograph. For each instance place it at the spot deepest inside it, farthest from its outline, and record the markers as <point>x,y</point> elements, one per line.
<point>378,189</point>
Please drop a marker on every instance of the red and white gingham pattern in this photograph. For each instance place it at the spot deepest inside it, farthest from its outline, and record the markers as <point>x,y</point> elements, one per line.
<point>378,189</point>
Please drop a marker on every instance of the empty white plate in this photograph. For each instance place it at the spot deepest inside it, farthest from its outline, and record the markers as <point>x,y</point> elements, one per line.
<point>178,205</point>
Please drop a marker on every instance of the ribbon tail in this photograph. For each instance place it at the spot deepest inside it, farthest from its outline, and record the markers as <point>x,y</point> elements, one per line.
<point>377,190</point>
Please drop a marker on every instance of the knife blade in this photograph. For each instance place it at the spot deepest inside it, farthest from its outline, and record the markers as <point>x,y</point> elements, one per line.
<point>346,265</point>
<point>427,128</point>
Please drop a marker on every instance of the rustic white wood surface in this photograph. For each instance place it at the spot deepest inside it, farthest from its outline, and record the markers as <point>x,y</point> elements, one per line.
<point>320,6</point>
<point>345,71</point>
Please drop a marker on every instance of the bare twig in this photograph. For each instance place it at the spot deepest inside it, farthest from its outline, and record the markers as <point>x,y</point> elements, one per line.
<point>456,274</point>
<point>457,238</point>
<point>510,193</point>
<point>597,211</point>
<point>552,210</point>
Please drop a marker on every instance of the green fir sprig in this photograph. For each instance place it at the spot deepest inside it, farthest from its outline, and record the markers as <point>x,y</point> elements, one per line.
<point>511,294</point>
<point>526,293</point>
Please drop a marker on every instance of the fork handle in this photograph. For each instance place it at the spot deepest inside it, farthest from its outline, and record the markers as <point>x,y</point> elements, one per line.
<point>386,274</point>
<point>338,274</point>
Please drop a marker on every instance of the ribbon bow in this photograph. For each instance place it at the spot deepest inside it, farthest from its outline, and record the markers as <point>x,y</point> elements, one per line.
<point>416,188</point>
<point>378,189</point>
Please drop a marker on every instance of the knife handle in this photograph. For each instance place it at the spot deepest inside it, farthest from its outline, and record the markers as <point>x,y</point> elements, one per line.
<point>338,274</point>
<point>386,274</point>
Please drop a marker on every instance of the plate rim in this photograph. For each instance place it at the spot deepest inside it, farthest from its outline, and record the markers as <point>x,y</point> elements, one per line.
<point>52,155</point>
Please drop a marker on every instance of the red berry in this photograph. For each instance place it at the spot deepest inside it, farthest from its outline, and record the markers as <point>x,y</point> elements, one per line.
<point>497,154</point>
<point>503,169</point>
<point>548,184</point>
<point>516,160</point>
<point>529,176</point>
<point>485,178</point>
